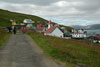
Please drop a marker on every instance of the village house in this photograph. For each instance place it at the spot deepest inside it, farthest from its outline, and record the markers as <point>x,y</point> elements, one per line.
<point>43,26</point>
<point>40,28</point>
<point>28,26</point>
<point>78,33</point>
<point>29,23</point>
<point>54,30</point>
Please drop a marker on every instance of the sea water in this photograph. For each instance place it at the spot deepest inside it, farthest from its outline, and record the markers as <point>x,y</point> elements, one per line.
<point>92,32</point>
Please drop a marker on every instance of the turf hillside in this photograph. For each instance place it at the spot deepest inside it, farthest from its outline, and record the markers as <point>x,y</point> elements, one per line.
<point>6,16</point>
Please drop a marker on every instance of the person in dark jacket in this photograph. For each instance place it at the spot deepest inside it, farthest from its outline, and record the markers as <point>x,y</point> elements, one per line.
<point>14,29</point>
<point>9,29</point>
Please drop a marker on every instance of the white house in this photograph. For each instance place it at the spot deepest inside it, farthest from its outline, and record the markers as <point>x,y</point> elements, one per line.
<point>28,21</point>
<point>78,34</point>
<point>54,31</point>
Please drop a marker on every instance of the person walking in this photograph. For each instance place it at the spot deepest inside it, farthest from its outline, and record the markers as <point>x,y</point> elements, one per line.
<point>14,29</point>
<point>9,29</point>
<point>22,30</point>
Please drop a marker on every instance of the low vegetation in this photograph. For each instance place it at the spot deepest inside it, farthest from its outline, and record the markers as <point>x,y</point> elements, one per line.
<point>71,52</point>
<point>3,37</point>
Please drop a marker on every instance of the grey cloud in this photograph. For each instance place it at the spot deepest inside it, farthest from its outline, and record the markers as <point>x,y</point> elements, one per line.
<point>85,13</point>
<point>36,2</point>
<point>89,6</point>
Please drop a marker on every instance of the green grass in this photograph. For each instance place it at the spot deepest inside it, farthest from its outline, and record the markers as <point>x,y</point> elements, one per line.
<point>71,52</point>
<point>4,36</point>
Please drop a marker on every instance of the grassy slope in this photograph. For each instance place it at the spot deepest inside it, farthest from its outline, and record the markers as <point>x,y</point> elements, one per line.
<point>3,36</point>
<point>5,16</point>
<point>72,52</point>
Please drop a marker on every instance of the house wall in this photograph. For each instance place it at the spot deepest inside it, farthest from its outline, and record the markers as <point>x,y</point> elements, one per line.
<point>79,35</point>
<point>57,33</point>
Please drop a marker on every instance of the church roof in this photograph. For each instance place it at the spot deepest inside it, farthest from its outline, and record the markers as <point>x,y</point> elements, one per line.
<point>51,29</point>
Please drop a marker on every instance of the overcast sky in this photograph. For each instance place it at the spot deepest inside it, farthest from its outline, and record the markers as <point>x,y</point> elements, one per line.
<point>66,12</point>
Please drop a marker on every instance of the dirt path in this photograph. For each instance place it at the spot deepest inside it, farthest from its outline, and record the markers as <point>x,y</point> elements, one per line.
<point>21,51</point>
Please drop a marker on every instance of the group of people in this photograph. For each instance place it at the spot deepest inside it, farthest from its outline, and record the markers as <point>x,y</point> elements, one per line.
<point>13,29</point>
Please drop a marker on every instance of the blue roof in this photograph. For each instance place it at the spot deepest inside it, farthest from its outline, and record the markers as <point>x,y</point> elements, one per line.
<point>31,25</point>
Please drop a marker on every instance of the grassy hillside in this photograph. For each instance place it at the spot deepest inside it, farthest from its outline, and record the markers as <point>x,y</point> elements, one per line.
<point>72,52</point>
<point>5,16</point>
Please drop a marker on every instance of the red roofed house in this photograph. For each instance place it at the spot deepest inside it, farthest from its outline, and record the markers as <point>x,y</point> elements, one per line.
<point>54,31</point>
<point>39,28</point>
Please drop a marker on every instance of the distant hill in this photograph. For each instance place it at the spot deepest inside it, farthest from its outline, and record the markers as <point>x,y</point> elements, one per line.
<point>89,27</point>
<point>6,16</point>
<point>94,27</point>
<point>77,26</point>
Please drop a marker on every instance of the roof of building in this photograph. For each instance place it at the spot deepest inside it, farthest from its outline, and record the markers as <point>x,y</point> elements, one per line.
<point>40,28</point>
<point>39,25</point>
<point>29,25</point>
<point>51,29</point>
<point>28,21</point>
<point>44,22</point>
<point>50,22</point>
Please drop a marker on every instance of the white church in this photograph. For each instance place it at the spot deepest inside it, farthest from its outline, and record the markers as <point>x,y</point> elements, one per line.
<point>53,30</point>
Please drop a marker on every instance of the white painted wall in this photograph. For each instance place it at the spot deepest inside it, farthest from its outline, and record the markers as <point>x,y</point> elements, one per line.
<point>79,35</point>
<point>57,33</point>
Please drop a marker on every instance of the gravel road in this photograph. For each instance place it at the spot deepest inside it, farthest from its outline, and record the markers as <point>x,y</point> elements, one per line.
<point>21,51</point>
